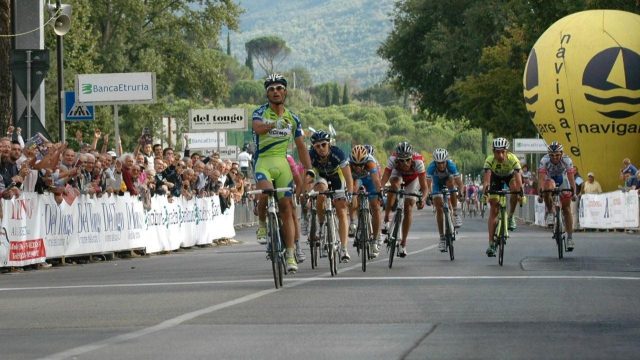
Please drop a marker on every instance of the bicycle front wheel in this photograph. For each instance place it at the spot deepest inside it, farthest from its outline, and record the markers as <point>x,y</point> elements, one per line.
<point>363,238</point>
<point>393,240</point>
<point>557,233</point>
<point>313,242</point>
<point>274,249</point>
<point>330,244</point>
<point>448,233</point>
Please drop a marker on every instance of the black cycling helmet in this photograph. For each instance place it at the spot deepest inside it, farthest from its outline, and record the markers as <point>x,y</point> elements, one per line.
<point>404,150</point>
<point>554,147</point>
<point>275,79</point>
<point>320,136</point>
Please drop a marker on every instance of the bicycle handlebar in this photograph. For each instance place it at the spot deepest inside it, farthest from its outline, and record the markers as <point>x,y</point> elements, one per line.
<point>401,191</point>
<point>330,193</point>
<point>269,191</point>
<point>503,192</point>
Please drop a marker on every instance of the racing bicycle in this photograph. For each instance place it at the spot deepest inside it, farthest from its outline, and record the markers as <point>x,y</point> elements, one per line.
<point>501,232</point>
<point>559,231</point>
<point>364,240</point>
<point>395,228</point>
<point>449,229</point>
<point>275,248</point>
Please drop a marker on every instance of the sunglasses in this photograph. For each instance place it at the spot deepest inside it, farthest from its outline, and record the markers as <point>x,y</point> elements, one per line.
<point>406,161</point>
<point>320,145</point>
<point>275,87</point>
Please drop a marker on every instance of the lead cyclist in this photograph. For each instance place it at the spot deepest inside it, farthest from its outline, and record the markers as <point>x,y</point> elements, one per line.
<point>274,127</point>
<point>556,170</point>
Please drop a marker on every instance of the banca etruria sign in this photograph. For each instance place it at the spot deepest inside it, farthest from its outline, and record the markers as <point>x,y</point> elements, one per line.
<point>116,88</point>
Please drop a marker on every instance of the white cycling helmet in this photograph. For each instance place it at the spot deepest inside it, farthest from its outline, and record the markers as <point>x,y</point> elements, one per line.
<point>440,155</point>
<point>500,144</point>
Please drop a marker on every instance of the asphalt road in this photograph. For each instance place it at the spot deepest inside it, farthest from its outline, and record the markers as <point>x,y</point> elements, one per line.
<point>220,303</point>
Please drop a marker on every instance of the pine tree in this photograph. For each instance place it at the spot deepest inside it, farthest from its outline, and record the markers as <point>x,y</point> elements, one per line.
<point>327,97</point>
<point>345,94</point>
<point>335,96</point>
<point>228,44</point>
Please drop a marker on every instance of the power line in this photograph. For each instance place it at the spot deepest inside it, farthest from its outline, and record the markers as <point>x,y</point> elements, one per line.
<point>55,16</point>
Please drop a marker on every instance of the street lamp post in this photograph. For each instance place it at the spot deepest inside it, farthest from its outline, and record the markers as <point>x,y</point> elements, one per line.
<point>61,26</point>
<point>60,65</point>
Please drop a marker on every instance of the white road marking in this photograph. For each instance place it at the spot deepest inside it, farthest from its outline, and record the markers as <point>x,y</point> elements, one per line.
<point>292,282</point>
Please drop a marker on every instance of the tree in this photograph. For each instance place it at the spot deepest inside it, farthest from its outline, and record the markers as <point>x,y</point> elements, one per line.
<point>228,44</point>
<point>172,38</point>
<point>302,77</point>
<point>345,94</point>
<point>246,92</point>
<point>327,96</point>
<point>335,94</point>
<point>268,52</point>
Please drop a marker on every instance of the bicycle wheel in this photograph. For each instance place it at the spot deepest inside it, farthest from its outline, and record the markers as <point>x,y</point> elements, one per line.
<point>313,242</point>
<point>393,241</point>
<point>330,236</point>
<point>502,237</point>
<point>274,254</point>
<point>557,233</point>
<point>363,240</point>
<point>448,233</point>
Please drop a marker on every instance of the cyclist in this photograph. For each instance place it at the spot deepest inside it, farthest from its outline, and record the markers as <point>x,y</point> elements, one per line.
<point>501,169</point>
<point>472,196</point>
<point>556,170</point>
<point>274,126</point>
<point>442,172</point>
<point>332,171</point>
<point>406,165</point>
<point>364,170</point>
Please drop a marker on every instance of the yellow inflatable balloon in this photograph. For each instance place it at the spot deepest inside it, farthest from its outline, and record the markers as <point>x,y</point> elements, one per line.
<point>582,89</point>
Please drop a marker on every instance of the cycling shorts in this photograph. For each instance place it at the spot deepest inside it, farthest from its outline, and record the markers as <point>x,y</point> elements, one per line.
<point>334,182</point>
<point>439,184</point>
<point>276,169</point>
<point>498,183</point>
<point>367,182</point>
<point>411,187</point>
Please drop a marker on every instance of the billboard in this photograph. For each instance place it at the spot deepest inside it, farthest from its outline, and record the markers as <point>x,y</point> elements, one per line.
<point>116,88</point>
<point>203,120</point>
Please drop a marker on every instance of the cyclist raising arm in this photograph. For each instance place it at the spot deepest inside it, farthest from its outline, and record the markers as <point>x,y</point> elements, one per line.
<point>333,172</point>
<point>556,170</point>
<point>442,172</point>
<point>502,169</point>
<point>274,126</point>
<point>364,171</point>
<point>409,166</point>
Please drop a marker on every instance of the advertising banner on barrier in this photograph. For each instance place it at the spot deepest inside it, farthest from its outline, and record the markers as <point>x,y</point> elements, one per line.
<point>24,241</point>
<point>612,210</point>
<point>39,228</point>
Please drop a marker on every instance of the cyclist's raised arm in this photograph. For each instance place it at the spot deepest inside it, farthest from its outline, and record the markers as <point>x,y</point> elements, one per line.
<point>261,127</point>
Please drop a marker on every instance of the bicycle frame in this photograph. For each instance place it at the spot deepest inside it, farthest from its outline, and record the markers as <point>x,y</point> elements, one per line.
<point>364,229</point>
<point>314,243</point>
<point>559,229</point>
<point>393,245</point>
<point>501,232</point>
<point>329,238</point>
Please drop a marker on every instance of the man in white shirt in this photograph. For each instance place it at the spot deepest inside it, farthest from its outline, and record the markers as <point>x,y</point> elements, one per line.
<point>244,159</point>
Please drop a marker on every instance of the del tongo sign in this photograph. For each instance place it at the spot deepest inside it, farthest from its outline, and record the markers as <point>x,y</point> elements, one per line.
<point>116,88</point>
<point>202,120</point>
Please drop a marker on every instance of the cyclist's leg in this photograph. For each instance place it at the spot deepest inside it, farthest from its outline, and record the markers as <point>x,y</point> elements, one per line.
<point>565,201</point>
<point>439,204</point>
<point>548,184</point>
<point>409,201</point>
<point>320,185</point>
<point>514,185</point>
<point>341,206</point>
<point>263,181</point>
<point>374,205</point>
<point>394,182</point>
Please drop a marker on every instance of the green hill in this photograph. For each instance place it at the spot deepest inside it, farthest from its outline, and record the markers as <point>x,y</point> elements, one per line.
<point>335,40</point>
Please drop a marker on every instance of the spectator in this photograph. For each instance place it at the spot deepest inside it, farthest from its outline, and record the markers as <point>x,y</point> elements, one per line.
<point>591,186</point>
<point>630,181</point>
<point>628,168</point>
<point>244,159</point>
